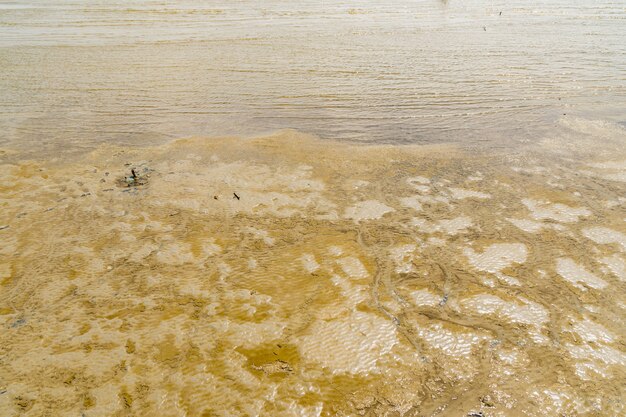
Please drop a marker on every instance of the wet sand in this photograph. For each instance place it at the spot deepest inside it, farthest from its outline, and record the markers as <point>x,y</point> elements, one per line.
<point>290,276</point>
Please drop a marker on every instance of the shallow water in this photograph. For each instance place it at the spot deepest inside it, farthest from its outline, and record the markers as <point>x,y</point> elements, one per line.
<point>401,72</point>
<point>466,257</point>
<point>289,276</point>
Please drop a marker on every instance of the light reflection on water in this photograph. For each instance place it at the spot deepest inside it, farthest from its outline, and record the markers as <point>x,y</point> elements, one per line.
<point>397,72</point>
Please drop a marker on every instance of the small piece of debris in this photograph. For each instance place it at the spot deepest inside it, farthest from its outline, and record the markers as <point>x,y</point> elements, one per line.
<point>214,197</point>
<point>6,226</point>
<point>487,401</point>
<point>478,414</point>
<point>133,180</point>
<point>236,196</point>
<point>18,323</point>
<point>444,300</point>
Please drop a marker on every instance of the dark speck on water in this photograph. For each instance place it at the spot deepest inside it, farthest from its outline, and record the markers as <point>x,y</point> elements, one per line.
<point>18,323</point>
<point>444,300</point>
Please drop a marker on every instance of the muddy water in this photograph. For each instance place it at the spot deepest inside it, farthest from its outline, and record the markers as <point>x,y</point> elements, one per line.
<point>75,73</point>
<point>476,270</point>
<point>288,276</point>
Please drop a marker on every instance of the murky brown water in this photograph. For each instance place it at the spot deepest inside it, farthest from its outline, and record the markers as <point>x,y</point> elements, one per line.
<point>288,276</point>
<point>83,72</point>
<point>468,260</point>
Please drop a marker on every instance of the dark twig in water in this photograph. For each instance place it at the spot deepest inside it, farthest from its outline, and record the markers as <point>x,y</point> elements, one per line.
<point>444,300</point>
<point>236,196</point>
<point>133,180</point>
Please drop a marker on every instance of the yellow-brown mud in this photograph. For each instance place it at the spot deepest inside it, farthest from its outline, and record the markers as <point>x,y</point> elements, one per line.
<point>345,280</point>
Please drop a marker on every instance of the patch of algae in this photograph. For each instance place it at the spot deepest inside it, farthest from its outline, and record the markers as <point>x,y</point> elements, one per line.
<point>287,276</point>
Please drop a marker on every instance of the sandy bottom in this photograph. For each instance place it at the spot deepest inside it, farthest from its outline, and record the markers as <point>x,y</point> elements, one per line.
<point>286,276</point>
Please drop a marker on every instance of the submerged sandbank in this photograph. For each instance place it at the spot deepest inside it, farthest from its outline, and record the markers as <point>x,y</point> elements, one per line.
<point>286,275</point>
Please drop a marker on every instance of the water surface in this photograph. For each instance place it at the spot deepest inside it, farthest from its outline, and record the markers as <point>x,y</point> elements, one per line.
<point>396,72</point>
<point>434,226</point>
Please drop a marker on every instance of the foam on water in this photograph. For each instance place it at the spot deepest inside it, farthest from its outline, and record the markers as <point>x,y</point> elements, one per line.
<point>593,332</point>
<point>411,202</point>
<point>456,225</point>
<point>309,263</point>
<point>611,170</point>
<point>542,210</point>
<point>604,235</point>
<point>425,298</point>
<point>577,275</point>
<point>526,225</point>
<point>353,267</point>
<point>175,254</point>
<point>450,343</point>
<point>403,258</point>
<point>367,210</point>
<point>497,256</point>
<point>461,193</point>
<point>532,226</point>
<point>449,226</point>
<point>595,359</point>
<point>523,311</point>
<point>351,344</point>
<point>616,265</point>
